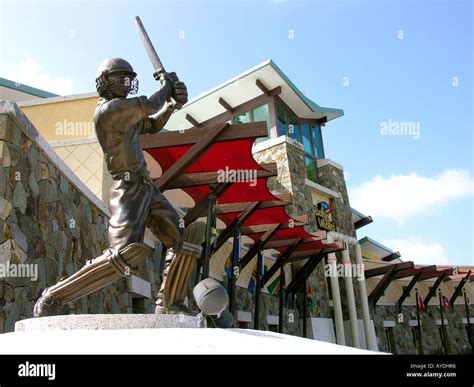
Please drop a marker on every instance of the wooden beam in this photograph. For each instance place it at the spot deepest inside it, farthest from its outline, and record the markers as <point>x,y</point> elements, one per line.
<point>322,234</point>
<point>304,254</point>
<point>280,261</point>
<point>225,105</point>
<point>246,230</point>
<point>257,246</point>
<point>323,120</point>
<point>363,222</point>
<point>382,285</point>
<point>286,242</point>
<point>433,289</point>
<point>458,289</point>
<point>200,208</point>
<point>192,120</point>
<point>205,178</point>
<point>413,271</point>
<point>392,256</point>
<point>408,289</point>
<point>191,136</point>
<point>305,272</point>
<point>429,275</point>
<point>270,93</point>
<point>383,269</point>
<point>229,208</point>
<point>300,218</point>
<point>190,157</point>
<point>229,230</point>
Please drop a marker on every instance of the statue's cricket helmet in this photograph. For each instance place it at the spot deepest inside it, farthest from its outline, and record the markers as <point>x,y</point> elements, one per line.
<point>113,72</point>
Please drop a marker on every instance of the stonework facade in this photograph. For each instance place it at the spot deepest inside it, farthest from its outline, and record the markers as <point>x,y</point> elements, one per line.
<point>404,334</point>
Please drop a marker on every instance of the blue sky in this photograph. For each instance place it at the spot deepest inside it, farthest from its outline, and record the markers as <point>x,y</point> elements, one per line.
<point>404,61</point>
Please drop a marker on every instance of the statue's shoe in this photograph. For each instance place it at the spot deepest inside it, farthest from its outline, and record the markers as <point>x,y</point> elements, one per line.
<point>46,305</point>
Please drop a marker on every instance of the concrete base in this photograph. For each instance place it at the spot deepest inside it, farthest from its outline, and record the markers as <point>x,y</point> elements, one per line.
<point>165,341</point>
<point>107,322</point>
<point>150,334</point>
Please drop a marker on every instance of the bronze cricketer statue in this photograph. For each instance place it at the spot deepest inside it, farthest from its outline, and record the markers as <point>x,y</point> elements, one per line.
<point>134,202</point>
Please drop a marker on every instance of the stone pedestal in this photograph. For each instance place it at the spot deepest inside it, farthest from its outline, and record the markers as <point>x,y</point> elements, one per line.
<point>107,322</point>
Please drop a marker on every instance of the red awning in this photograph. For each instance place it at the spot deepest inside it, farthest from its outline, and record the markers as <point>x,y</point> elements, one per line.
<point>236,155</point>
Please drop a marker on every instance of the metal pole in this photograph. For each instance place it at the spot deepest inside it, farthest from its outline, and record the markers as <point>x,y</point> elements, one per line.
<point>420,347</point>
<point>305,306</point>
<point>468,320</point>
<point>280,311</point>
<point>258,285</point>
<point>443,340</point>
<point>211,200</point>
<point>235,260</point>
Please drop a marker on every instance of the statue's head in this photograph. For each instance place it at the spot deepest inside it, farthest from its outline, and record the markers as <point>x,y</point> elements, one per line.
<point>116,79</point>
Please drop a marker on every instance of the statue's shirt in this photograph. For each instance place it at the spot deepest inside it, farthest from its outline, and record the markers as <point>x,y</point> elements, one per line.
<point>118,123</point>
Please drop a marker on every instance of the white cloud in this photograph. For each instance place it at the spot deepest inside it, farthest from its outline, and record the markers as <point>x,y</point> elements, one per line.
<point>401,197</point>
<point>419,252</point>
<point>31,73</point>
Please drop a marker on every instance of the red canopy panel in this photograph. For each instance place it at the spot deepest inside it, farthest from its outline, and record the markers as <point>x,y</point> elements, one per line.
<point>315,245</point>
<point>236,155</point>
<point>230,154</point>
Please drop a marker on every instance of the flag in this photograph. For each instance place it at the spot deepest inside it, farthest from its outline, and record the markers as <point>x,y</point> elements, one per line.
<point>253,279</point>
<point>228,263</point>
<point>444,302</point>
<point>421,305</point>
<point>309,294</point>
<point>274,287</point>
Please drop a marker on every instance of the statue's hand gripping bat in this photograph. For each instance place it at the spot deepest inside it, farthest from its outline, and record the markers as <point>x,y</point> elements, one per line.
<point>155,59</point>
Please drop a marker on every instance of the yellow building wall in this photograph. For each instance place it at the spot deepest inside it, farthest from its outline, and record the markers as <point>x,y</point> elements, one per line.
<point>64,120</point>
<point>368,255</point>
<point>68,126</point>
<point>86,161</point>
<point>319,197</point>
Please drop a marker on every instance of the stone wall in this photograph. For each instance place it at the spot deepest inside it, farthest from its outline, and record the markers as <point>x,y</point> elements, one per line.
<point>457,341</point>
<point>269,305</point>
<point>333,178</point>
<point>291,178</point>
<point>50,220</point>
<point>289,157</point>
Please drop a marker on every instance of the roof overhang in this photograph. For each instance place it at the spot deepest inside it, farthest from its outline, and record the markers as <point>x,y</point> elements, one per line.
<point>377,249</point>
<point>243,88</point>
<point>359,219</point>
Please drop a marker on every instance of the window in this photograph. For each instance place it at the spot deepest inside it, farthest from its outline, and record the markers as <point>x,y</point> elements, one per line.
<point>138,305</point>
<point>293,127</point>
<point>317,141</point>
<point>310,168</point>
<point>242,118</point>
<point>305,132</point>
<point>389,339</point>
<point>469,335</point>
<point>243,325</point>
<point>415,336</point>
<point>273,328</point>
<point>262,113</point>
<point>281,119</point>
<point>443,338</point>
